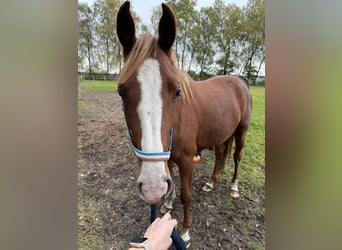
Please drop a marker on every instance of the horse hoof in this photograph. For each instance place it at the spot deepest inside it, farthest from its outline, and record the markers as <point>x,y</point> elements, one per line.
<point>164,209</point>
<point>187,244</point>
<point>208,187</point>
<point>234,194</point>
<point>186,238</point>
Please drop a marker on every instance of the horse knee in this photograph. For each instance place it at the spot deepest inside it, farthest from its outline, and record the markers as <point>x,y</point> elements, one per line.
<point>186,199</point>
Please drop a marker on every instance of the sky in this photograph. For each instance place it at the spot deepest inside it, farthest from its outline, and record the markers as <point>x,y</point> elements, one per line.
<point>144,8</point>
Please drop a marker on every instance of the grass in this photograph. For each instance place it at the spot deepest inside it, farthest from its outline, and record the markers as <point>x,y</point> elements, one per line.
<point>253,161</point>
<point>97,86</point>
<point>255,246</point>
<point>89,226</point>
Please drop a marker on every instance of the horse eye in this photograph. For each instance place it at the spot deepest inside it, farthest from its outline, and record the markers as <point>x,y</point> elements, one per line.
<point>177,93</point>
<point>122,94</point>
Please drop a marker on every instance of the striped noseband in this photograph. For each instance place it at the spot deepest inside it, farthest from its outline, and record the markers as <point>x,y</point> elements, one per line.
<point>151,156</point>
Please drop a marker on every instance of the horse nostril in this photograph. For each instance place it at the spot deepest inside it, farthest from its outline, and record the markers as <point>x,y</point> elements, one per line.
<point>139,187</point>
<point>169,185</point>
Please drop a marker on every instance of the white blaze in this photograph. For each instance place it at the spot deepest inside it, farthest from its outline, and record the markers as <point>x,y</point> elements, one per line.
<point>150,106</point>
<point>149,111</point>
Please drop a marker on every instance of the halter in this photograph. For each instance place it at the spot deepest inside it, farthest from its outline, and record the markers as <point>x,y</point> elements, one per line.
<point>151,156</point>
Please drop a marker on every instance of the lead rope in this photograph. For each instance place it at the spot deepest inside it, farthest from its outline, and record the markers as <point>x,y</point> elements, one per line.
<point>177,240</point>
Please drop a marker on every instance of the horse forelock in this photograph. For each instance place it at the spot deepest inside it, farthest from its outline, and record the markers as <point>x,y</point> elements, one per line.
<point>146,46</point>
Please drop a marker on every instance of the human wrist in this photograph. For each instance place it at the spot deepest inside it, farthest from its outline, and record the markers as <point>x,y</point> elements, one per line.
<point>138,248</point>
<point>140,243</point>
<point>152,243</point>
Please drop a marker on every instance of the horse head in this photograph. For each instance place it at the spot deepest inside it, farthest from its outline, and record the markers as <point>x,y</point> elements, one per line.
<point>149,88</point>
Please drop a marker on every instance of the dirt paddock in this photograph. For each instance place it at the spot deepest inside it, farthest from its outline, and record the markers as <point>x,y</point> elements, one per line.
<point>107,180</point>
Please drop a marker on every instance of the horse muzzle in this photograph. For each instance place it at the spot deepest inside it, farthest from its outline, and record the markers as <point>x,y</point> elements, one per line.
<point>154,191</point>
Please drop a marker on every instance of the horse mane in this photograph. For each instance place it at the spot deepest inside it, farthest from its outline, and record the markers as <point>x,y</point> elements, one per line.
<point>244,79</point>
<point>146,46</point>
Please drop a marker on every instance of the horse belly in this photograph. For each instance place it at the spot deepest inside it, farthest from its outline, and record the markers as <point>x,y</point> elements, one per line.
<point>217,132</point>
<point>218,112</point>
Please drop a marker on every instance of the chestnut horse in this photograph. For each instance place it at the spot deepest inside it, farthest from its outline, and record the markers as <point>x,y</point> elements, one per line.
<point>170,117</point>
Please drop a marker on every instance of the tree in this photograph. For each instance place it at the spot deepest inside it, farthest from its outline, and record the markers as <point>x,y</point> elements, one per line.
<point>194,45</point>
<point>205,52</point>
<point>253,41</point>
<point>228,21</point>
<point>108,49</point>
<point>86,36</point>
<point>186,21</point>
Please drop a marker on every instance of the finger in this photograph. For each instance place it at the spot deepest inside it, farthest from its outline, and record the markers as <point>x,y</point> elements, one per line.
<point>152,226</point>
<point>174,223</point>
<point>169,242</point>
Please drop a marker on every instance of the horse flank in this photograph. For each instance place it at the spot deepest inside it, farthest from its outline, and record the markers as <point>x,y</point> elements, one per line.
<point>146,46</point>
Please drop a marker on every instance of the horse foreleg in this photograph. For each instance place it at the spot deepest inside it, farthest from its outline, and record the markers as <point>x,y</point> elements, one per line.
<point>186,175</point>
<point>167,206</point>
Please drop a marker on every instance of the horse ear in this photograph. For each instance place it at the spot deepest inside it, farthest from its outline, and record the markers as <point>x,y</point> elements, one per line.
<point>125,28</point>
<point>167,29</point>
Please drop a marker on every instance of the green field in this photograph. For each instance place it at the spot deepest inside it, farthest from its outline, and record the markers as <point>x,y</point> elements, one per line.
<point>253,160</point>
<point>97,86</point>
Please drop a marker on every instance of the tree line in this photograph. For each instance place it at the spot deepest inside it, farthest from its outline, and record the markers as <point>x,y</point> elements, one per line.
<point>218,39</point>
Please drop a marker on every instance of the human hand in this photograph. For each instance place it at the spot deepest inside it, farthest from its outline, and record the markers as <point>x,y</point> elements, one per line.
<point>159,232</point>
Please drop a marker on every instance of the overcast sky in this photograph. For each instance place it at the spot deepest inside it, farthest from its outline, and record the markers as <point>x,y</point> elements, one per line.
<point>144,8</point>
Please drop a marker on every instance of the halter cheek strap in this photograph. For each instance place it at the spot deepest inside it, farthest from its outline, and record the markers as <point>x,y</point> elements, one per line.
<point>151,156</point>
